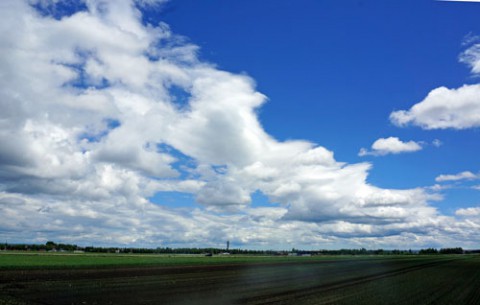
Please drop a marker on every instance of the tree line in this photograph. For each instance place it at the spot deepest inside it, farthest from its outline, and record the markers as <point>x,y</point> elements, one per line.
<point>51,246</point>
<point>457,250</point>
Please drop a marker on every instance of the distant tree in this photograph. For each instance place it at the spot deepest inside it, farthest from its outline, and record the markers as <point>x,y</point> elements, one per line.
<point>451,251</point>
<point>50,245</point>
<point>428,251</point>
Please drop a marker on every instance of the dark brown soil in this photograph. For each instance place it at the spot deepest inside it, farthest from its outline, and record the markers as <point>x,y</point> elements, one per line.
<point>327,282</point>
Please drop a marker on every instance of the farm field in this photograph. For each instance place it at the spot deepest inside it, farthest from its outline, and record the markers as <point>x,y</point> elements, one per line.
<point>143,279</point>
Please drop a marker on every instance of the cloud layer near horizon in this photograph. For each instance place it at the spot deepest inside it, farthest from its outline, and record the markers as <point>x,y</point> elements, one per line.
<point>100,112</point>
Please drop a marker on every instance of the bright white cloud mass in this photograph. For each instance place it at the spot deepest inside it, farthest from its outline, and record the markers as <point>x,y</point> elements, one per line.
<point>99,112</point>
<point>447,108</point>
<point>444,108</point>
<point>391,145</point>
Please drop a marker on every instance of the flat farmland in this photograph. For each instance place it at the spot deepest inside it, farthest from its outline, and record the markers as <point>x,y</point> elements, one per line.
<point>143,279</point>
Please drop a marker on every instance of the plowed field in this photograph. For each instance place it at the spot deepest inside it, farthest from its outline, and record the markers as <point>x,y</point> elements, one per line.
<point>386,280</point>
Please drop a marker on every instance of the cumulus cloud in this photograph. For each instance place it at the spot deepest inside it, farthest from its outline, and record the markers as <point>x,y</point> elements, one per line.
<point>443,108</point>
<point>391,145</point>
<point>466,175</point>
<point>468,212</point>
<point>447,108</point>
<point>120,110</point>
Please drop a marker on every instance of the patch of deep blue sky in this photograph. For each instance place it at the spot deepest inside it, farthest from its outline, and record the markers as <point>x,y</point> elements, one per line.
<point>82,80</point>
<point>335,70</point>
<point>59,9</point>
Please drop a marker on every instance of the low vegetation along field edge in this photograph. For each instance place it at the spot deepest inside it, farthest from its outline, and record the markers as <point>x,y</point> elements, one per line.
<point>40,260</point>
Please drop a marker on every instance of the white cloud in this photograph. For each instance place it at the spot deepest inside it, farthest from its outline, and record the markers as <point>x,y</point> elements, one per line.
<point>443,108</point>
<point>466,175</point>
<point>95,127</point>
<point>447,108</point>
<point>391,145</point>
<point>472,57</point>
<point>468,212</point>
<point>439,187</point>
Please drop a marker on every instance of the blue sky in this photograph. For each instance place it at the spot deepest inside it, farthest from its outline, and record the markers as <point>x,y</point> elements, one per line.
<point>334,71</point>
<point>272,124</point>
